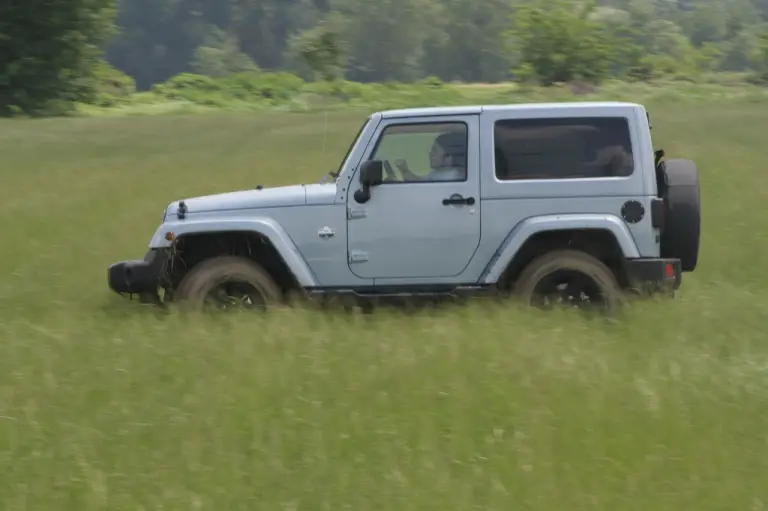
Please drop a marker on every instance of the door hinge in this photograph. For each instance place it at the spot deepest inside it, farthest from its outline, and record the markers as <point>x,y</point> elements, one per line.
<point>358,257</point>
<point>357,212</point>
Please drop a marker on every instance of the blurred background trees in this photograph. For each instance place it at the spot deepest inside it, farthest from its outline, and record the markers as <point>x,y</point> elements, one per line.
<point>57,51</point>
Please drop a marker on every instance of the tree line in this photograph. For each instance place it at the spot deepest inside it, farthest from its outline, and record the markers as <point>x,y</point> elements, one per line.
<point>55,52</point>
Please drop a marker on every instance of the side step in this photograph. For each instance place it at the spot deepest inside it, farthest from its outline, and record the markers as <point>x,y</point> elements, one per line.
<point>431,291</point>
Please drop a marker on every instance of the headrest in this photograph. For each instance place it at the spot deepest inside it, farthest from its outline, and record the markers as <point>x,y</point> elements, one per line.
<point>452,143</point>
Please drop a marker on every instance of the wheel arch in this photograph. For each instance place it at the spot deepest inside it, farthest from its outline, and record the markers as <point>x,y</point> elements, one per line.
<point>261,240</point>
<point>603,236</point>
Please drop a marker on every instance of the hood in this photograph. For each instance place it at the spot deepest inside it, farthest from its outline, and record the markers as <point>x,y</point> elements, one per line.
<point>293,195</point>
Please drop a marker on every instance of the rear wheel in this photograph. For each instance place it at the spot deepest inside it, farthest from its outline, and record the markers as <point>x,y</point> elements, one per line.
<point>568,278</point>
<point>227,283</point>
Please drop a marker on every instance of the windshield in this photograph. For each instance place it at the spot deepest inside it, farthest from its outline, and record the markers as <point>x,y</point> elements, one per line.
<point>352,146</point>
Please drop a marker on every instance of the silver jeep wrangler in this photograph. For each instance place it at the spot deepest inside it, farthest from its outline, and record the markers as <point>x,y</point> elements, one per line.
<point>552,203</point>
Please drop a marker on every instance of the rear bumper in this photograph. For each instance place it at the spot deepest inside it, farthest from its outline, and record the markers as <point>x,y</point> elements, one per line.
<point>657,272</point>
<point>138,276</point>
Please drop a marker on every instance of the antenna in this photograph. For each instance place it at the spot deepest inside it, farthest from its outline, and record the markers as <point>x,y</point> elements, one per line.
<point>325,124</point>
<point>325,137</point>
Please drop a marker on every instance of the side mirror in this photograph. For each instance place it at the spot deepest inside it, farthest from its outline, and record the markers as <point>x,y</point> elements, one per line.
<point>371,174</point>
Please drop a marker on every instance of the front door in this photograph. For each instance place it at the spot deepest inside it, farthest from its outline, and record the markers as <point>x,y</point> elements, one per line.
<point>423,221</point>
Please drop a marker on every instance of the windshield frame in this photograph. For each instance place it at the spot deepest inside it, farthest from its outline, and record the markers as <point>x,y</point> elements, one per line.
<point>352,146</point>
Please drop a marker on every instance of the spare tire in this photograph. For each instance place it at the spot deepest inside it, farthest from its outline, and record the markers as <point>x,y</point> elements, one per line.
<point>682,216</point>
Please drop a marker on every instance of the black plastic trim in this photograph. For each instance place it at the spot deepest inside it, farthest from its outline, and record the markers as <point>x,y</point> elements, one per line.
<point>138,276</point>
<point>652,270</point>
<point>657,213</point>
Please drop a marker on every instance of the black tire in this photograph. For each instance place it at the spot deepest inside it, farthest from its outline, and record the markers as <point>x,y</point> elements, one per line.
<point>574,262</point>
<point>203,279</point>
<point>682,220</point>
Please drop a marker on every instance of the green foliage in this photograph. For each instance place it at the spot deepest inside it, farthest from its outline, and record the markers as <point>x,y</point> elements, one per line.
<point>271,86</point>
<point>248,86</point>
<point>759,56</point>
<point>403,41</point>
<point>320,48</point>
<point>49,53</point>
<point>113,86</point>
<point>709,57</point>
<point>432,81</point>
<point>220,56</point>
<point>187,82</point>
<point>284,91</point>
<point>557,41</point>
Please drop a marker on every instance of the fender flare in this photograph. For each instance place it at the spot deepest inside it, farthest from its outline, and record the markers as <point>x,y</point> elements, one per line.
<point>534,225</point>
<point>263,226</point>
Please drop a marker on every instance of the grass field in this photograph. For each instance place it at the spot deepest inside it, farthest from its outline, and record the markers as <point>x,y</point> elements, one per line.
<point>105,404</point>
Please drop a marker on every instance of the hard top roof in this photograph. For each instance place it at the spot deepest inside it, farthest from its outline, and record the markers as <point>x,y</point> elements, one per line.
<point>477,109</point>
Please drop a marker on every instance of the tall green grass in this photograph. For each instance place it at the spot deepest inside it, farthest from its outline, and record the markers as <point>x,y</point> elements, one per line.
<point>107,404</point>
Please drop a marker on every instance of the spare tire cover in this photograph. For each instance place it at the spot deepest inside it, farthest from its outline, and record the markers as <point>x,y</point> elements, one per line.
<point>682,220</point>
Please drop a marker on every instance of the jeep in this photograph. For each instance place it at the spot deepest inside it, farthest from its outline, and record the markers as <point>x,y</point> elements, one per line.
<point>550,203</point>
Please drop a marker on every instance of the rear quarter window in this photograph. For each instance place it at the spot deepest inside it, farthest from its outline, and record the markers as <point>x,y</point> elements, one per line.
<point>562,148</point>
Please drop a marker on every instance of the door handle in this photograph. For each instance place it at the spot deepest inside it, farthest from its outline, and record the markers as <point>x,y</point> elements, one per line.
<point>326,232</point>
<point>456,198</point>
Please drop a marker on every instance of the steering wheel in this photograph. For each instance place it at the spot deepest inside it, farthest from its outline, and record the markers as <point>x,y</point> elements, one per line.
<point>390,173</point>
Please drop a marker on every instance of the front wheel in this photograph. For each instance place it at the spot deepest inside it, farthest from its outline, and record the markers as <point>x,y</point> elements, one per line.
<point>227,283</point>
<point>569,278</point>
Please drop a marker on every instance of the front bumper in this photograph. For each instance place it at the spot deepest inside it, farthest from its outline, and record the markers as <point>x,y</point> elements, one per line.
<point>654,272</point>
<point>138,276</point>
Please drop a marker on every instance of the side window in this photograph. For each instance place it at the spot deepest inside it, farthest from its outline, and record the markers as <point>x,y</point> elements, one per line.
<point>566,148</point>
<point>424,152</point>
